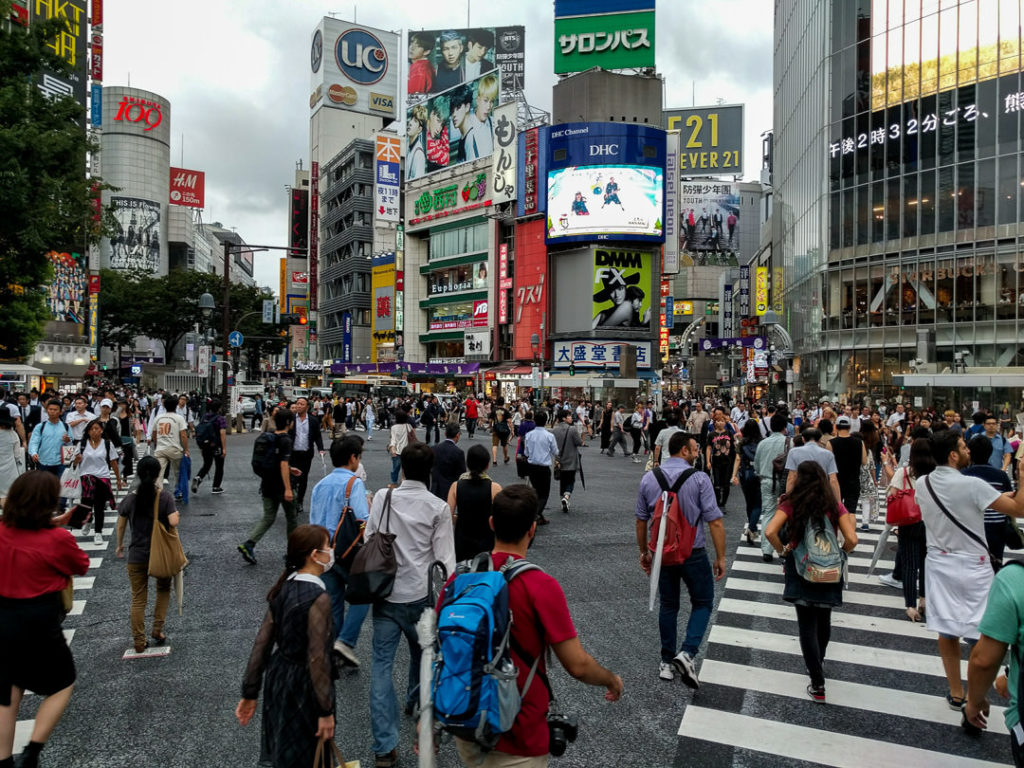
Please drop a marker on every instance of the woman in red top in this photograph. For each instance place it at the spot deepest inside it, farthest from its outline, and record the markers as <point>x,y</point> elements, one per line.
<point>809,503</point>
<point>36,561</point>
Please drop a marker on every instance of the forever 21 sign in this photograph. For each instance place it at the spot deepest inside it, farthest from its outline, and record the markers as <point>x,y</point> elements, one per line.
<point>132,110</point>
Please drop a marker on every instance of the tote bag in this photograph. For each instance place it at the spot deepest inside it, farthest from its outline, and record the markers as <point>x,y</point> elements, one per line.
<point>166,555</point>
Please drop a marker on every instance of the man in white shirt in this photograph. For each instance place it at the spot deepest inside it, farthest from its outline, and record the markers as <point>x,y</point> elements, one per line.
<point>958,572</point>
<point>896,416</point>
<point>171,433</point>
<point>739,416</point>
<point>812,450</point>
<point>79,418</point>
<point>422,524</point>
<point>582,418</point>
<point>541,449</point>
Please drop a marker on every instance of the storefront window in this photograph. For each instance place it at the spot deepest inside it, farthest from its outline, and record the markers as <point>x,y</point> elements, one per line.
<point>847,298</point>
<point>464,277</point>
<point>454,316</point>
<point>876,295</point>
<point>1008,277</point>
<point>945,283</point>
<point>965,296</point>
<point>947,200</point>
<point>456,242</point>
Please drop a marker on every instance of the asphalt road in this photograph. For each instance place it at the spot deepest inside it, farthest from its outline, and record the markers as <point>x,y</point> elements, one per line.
<point>178,710</point>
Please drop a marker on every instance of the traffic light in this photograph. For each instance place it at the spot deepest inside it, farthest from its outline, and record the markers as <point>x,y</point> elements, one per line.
<point>293,318</point>
<point>572,369</point>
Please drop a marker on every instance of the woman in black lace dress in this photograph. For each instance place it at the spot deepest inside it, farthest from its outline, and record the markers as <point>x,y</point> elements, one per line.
<point>293,647</point>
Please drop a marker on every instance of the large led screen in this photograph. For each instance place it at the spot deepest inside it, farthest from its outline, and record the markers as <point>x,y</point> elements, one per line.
<point>605,201</point>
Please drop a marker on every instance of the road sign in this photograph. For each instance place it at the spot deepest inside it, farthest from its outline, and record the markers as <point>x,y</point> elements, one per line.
<point>268,310</point>
<point>213,359</point>
<point>236,339</point>
<point>136,371</point>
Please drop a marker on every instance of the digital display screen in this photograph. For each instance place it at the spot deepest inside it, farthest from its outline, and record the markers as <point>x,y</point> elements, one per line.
<point>606,201</point>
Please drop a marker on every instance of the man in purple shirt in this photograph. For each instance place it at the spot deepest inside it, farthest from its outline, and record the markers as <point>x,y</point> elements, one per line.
<point>698,502</point>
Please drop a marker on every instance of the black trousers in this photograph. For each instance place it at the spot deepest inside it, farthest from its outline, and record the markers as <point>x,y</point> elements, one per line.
<point>911,550</point>
<point>815,625</point>
<point>540,479</point>
<point>635,434</point>
<point>301,460</point>
<point>471,426</point>
<point>721,475</point>
<point>212,456</point>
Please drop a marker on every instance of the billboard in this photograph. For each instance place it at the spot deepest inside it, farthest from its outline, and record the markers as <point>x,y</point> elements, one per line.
<point>458,314</point>
<point>622,288</point>
<point>710,139</point>
<point>354,68</point>
<point>761,290</point>
<point>298,221</point>
<point>136,242</point>
<point>709,223</point>
<point>71,45</point>
<point>503,166</point>
<point>621,37</point>
<point>465,277</point>
<point>387,176</point>
<point>597,354</point>
<point>530,295</point>
<point>440,59</point>
<point>382,338</point>
<point>188,188</point>
<point>670,259</point>
<point>452,127</point>
<point>621,201</point>
<point>66,295</point>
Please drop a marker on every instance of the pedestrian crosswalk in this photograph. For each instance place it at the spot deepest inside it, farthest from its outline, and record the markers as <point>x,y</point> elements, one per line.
<point>884,680</point>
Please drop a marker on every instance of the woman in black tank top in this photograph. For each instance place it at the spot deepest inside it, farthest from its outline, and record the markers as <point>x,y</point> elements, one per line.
<point>470,502</point>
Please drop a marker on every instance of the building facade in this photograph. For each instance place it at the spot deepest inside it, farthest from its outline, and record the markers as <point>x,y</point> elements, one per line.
<point>897,189</point>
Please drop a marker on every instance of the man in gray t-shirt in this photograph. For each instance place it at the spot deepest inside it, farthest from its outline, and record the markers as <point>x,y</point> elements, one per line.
<point>812,450</point>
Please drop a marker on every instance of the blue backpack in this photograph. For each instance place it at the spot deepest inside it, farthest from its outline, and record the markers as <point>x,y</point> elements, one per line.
<point>475,692</point>
<point>818,556</point>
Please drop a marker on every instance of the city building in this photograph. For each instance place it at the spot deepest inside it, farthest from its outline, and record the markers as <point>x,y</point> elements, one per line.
<point>897,189</point>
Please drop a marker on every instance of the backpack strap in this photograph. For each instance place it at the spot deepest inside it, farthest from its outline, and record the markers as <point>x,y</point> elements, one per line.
<point>512,568</point>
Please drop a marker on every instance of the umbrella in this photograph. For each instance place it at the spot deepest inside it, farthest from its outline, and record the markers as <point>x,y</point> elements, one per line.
<point>179,589</point>
<point>878,548</point>
<point>656,565</point>
<point>583,480</point>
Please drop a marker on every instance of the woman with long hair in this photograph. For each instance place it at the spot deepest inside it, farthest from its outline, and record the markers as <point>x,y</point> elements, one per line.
<point>37,559</point>
<point>721,457</point>
<point>911,546</point>
<point>124,427</point>
<point>402,433</point>
<point>95,459</point>
<point>746,478</point>
<point>470,502</point>
<point>292,656</point>
<point>811,503</point>
<point>137,511</point>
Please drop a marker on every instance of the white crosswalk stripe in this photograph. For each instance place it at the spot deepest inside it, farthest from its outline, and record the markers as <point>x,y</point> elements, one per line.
<point>884,680</point>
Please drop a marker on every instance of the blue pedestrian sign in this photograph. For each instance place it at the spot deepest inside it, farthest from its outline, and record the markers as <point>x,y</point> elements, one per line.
<point>213,359</point>
<point>236,339</point>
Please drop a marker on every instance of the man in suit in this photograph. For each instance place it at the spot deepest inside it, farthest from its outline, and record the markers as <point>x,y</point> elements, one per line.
<point>305,434</point>
<point>30,414</point>
<point>449,462</point>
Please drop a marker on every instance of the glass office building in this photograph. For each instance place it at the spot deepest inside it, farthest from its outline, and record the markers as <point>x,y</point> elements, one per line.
<point>898,187</point>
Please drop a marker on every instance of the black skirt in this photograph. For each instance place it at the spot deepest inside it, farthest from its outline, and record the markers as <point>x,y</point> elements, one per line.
<point>32,645</point>
<point>799,591</point>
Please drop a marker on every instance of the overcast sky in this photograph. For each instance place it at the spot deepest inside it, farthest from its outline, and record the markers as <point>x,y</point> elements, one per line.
<point>237,75</point>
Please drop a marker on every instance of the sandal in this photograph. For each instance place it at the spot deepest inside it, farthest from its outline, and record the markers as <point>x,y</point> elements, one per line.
<point>955,703</point>
<point>159,639</point>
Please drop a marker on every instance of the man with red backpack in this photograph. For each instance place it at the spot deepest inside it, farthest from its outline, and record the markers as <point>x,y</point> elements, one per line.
<point>684,499</point>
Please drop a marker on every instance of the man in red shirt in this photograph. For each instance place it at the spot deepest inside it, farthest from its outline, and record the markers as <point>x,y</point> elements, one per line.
<point>542,619</point>
<point>472,414</point>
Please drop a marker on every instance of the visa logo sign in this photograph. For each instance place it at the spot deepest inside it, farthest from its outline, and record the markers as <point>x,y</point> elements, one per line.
<point>381,102</point>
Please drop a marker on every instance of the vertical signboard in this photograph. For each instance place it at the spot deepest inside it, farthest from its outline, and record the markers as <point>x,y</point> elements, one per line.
<point>96,56</point>
<point>778,283</point>
<point>727,328</point>
<point>744,291</point>
<point>383,308</point>
<point>70,45</point>
<point>314,231</point>
<point>399,282</point>
<point>503,164</point>
<point>96,105</point>
<point>388,154</point>
<point>504,284</point>
<point>531,167</point>
<point>346,337</point>
<point>761,290</point>
<point>298,222</point>
<point>670,265</point>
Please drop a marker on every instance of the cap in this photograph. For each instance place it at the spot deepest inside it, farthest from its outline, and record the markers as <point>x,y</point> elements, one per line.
<point>106,402</point>
<point>843,421</point>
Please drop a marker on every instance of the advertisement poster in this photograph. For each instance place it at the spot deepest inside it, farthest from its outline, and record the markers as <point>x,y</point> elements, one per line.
<point>670,265</point>
<point>710,139</point>
<point>709,223</point>
<point>354,68</point>
<point>464,277</point>
<point>503,165</point>
<point>761,290</point>
<point>136,242</point>
<point>188,188</point>
<point>388,156</point>
<point>617,40</point>
<point>452,127</point>
<point>66,296</point>
<point>605,200</point>
<point>71,46</point>
<point>622,286</point>
<point>440,59</point>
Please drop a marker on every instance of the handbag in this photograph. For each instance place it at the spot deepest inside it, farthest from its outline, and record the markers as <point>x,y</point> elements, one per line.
<point>1014,535</point>
<point>166,555</point>
<point>67,596</point>
<point>80,514</point>
<point>372,576</point>
<point>901,507</point>
<point>328,755</point>
<point>70,484</point>
<point>68,453</point>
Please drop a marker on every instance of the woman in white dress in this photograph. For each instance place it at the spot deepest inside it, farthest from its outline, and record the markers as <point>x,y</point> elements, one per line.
<point>12,455</point>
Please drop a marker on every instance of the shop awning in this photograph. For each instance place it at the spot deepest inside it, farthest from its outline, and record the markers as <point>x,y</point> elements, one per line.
<point>959,379</point>
<point>519,370</point>
<point>17,371</point>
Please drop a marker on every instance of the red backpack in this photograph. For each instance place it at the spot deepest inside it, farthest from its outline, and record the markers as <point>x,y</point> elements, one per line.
<point>679,532</point>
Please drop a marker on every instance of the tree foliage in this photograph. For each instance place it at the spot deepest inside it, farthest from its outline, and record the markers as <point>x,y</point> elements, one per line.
<point>46,196</point>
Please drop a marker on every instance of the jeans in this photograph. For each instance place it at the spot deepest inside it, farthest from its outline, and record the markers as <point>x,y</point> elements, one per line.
<point>390,622</point>
<point>270,505</point>
<point>751,488</point>
<point>396,469</point>
<point>347,625</point>
<point>369,426</point>
<point>769,503</point>
<point>566,482</point>
<point>815,625</point>
<point>57,470</point>
<point>138,577</point>
<point>471,425</point>
<point>696,574</point>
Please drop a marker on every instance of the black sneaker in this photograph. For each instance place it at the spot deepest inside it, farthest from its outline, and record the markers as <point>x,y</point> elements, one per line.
<point>816,692</point>
<point>195,484</point>
<point>767,556</point>
<point>247,553</point>
<point>216,490</point>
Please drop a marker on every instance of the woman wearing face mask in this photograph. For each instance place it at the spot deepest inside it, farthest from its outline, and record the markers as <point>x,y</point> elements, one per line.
<point>137,510</point>
<point>293,648</point>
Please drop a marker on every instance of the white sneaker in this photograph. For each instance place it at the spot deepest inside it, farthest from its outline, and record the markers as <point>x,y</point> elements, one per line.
<point>347,653</point>
<point>565,503</point>
<point>666,671</point>
<point>890,581</point>
<point>97,538</point>
<point>87,527</point>
<point>685,667</point>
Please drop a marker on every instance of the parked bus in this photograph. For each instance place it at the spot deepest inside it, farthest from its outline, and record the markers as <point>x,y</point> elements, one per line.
<point>381,387</point>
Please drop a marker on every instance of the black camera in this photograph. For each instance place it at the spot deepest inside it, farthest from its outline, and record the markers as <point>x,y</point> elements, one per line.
<point>562,731</point>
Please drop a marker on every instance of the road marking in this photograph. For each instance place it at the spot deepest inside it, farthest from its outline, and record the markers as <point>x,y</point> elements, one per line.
<point>870,698</point>
<point>95,562</point>
<point>812,745</point>
<point>77,608</point>
<point>856,559</point>
<point>840,620</point>
<point>775,569</point>
<point>849,595</point>
<point>83,582</point>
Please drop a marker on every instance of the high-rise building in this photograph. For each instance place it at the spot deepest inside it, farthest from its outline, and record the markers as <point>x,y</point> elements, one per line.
<point>896,191</point>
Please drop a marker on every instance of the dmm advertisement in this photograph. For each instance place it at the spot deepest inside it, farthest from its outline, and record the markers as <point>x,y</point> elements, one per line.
<point>440,59</point>
<point>709,222</point>
<point>354,68</point>
<point>452,127</point>
<point>622,282</point>
<point>136,242</point>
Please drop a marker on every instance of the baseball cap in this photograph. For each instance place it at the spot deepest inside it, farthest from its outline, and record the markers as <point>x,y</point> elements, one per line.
<point>843,421</point>
<point>106,402</point>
